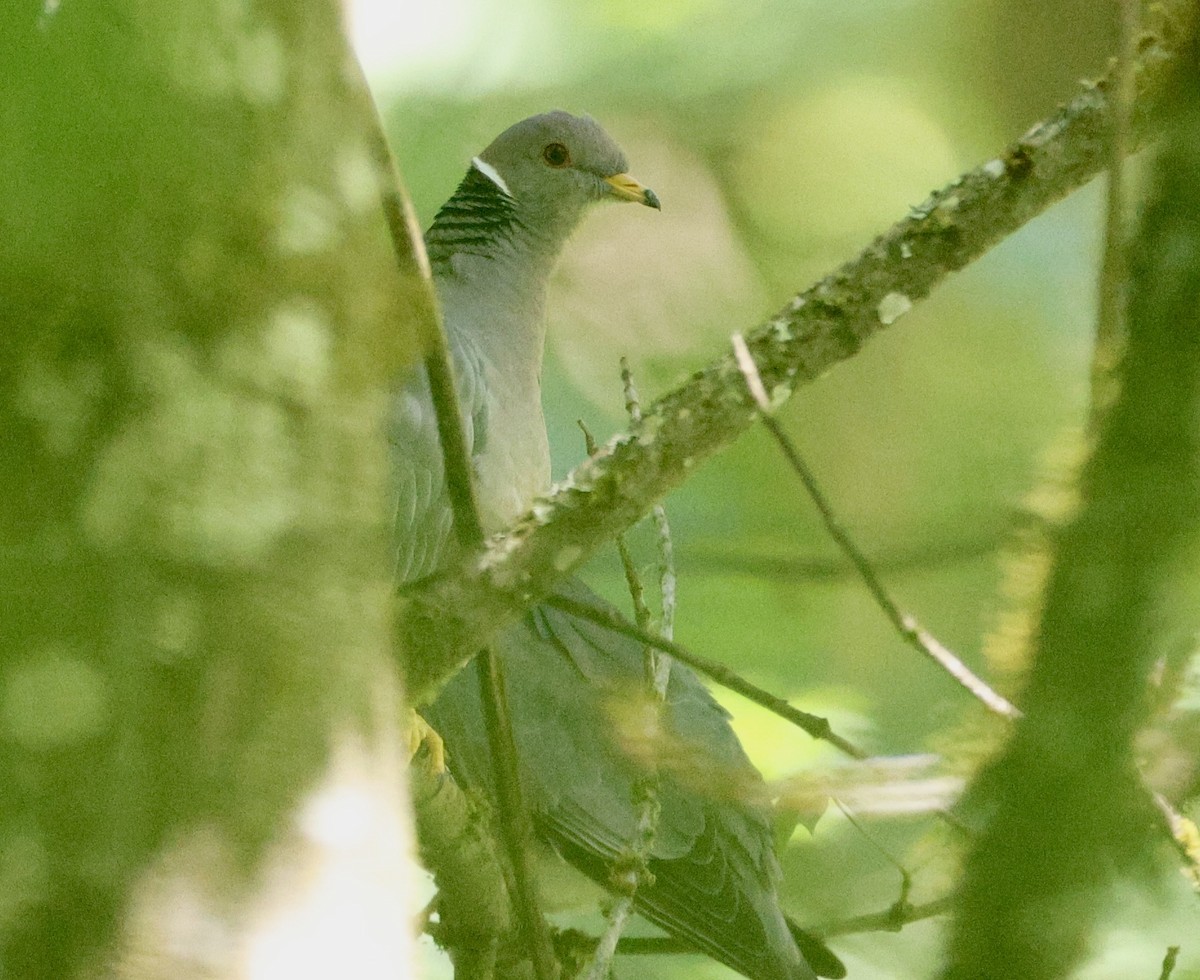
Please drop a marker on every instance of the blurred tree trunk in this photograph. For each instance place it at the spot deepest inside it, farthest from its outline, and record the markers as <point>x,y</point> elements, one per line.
<point>1064,805</point>
<point>198,322</point>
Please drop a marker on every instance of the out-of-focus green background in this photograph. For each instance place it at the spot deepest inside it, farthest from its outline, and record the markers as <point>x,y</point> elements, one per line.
<point>781,136</point>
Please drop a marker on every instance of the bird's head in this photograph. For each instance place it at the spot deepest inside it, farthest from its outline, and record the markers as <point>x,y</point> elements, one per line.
<point>556,164</point>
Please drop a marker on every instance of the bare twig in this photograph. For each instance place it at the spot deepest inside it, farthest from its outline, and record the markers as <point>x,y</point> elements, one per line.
<point>514,818</point>
<point>727,558</point>
<point>814,725</point>
<point>892,919</point>
<point>425,315</point>
<point>907,626</point>
<point>634,868</point>
<point>657,676</point>
<point>1182,834</point>
<point>1168,963</point>
<point>653,946</point>
<point>1110,326</point>
<point>905,877</point>
<point>666,550</point>
<point>600,965</point>
<point>516,825</point>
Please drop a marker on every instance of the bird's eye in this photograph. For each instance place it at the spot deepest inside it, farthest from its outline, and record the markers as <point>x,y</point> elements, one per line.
<point>556,155</point>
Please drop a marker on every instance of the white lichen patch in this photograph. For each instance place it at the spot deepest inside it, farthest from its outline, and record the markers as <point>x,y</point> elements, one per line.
<point>1042,133</point>
<point>648,429</point>
<point>357,178</point>
<point>499,547</point>
<point>781,329</point>
<point>60,400</point>
<point>993,168</point>
<point>780,393</point>
<point>892,307</point>
<point>922,210</point>
<point>944,213</point>
<point>52,699</point>
<point>206,473</point>
<point>906,250</point>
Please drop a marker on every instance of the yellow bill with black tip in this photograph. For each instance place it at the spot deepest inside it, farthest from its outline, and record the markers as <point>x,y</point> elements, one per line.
<point>629,188</point>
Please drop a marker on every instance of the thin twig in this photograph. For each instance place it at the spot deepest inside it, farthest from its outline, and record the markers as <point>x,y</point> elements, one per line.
<point>892,919</point>
<point>1110,325</point>
<point>623,907</point>
<point>653,946</point>
<point>905,877</point>
<point>1168,963</point>
<point>600,965</point>
<point>1182,834</point>
<point>907,626</point>
<point>657,675</point>
<point>666,575</point>
<point>666,549</point>
<point>729,559</point>
<point>516,825</point>
<point>412,261</point>
<point>814,725</point>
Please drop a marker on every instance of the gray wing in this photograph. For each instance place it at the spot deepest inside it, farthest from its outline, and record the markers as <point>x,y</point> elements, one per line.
<point>713,862</point>
<point>422,517</point>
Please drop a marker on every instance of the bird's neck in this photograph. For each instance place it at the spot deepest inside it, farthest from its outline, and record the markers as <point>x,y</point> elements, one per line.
<point>498,305</point>
<point>484,231</point>
<point>485,250</point>
<point>492,271</point>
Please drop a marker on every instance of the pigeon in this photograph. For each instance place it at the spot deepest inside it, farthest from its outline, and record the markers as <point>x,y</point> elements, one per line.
<point>582,758</point>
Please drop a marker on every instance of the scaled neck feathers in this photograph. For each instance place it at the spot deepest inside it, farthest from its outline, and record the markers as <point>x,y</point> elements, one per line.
<point>479,219</point>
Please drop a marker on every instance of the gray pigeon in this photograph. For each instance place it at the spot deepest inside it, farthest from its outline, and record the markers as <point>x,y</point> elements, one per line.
<point>492,247</point>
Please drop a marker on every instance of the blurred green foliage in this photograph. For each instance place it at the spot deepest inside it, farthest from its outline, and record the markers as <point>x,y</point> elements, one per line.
<point>781,137</point>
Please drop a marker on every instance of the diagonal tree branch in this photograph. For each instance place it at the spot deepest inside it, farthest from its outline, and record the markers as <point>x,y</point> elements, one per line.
<point>450,616</point>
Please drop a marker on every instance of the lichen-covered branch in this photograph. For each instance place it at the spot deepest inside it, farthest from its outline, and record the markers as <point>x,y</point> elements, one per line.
<point>457,845</point>
<point>448,618</point>
<point>1063,812</point>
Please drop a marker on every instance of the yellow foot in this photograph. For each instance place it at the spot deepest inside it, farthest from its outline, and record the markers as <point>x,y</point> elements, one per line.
<point>419,733</point>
